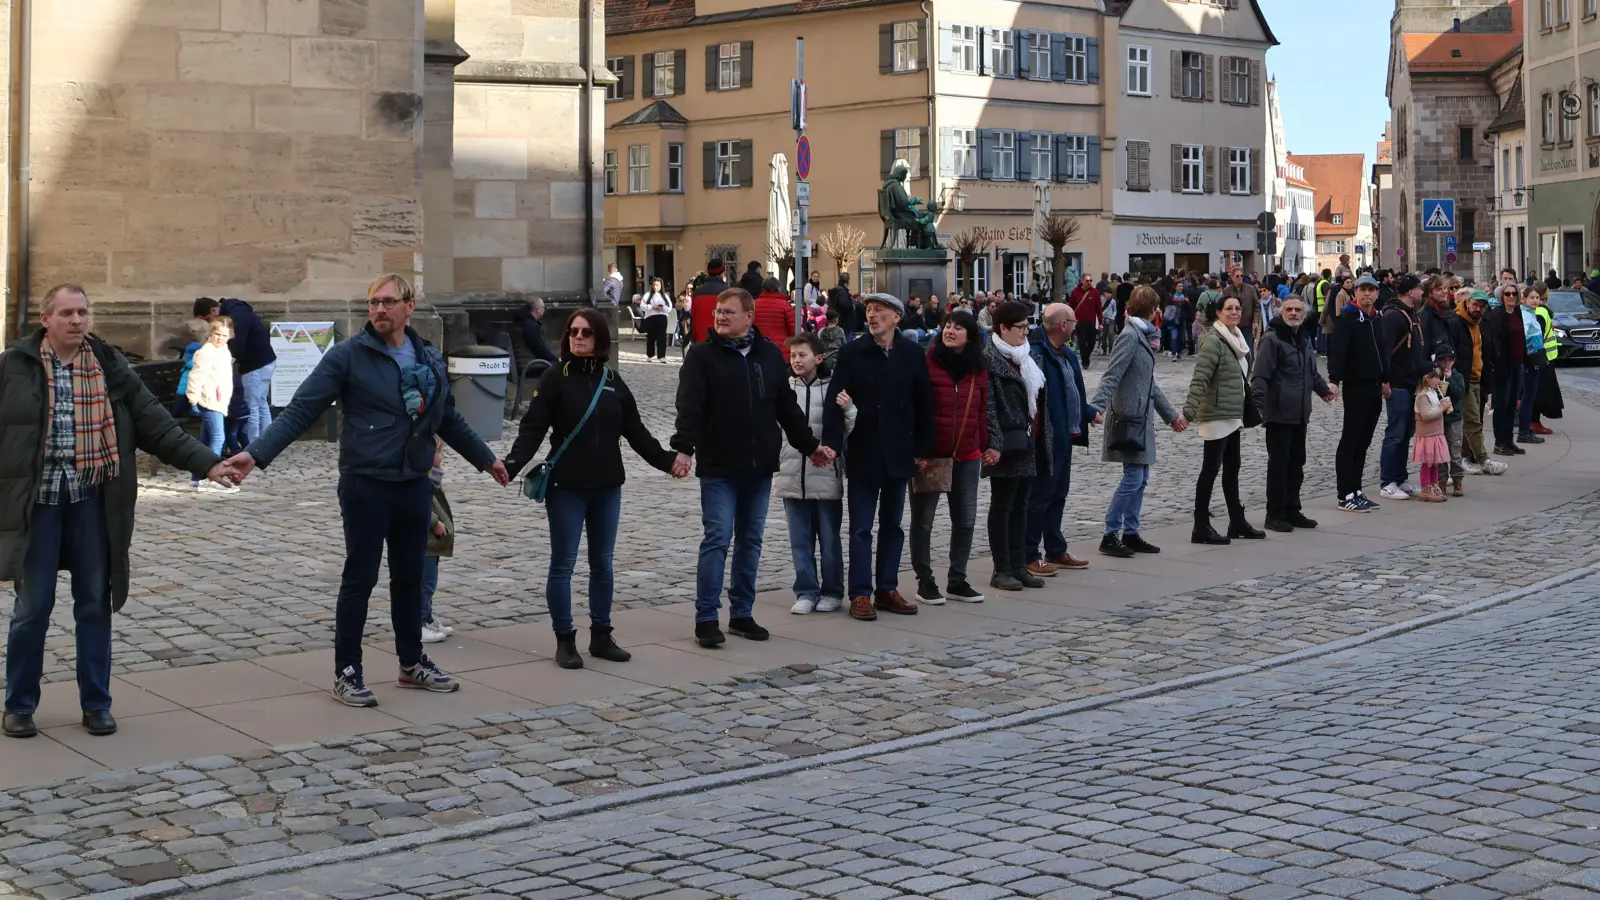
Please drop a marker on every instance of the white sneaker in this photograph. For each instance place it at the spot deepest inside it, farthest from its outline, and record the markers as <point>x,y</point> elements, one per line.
<point>443,626</point>
<point>213,487</point>
<point>1493,467</point>
<point>1411,489</point>
<point>432,633</point>
<point>1394,492</point>
<point>1472,468</point>
<point>803,606</point>
<point>829,604</point>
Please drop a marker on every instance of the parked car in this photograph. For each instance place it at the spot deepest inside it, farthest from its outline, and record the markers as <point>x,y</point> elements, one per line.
<point>1575,317</point>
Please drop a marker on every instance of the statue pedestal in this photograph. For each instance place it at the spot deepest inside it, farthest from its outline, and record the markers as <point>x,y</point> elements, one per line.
<point>907,273</point>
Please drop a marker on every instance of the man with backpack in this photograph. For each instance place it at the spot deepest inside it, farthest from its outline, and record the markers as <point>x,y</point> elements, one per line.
<point>1400,336</point>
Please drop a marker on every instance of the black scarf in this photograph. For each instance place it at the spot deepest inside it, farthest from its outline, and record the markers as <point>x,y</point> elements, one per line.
<point>958,362</point>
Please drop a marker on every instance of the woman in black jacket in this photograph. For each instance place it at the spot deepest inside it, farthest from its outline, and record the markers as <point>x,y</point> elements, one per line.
<point>586,482</point>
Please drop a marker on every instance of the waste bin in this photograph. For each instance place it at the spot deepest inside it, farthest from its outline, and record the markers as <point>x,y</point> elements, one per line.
<point>478,378</point>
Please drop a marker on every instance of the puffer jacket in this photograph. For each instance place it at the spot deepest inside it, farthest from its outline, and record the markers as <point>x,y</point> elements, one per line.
<point>1008,410</point>
<point>774,318</point>
<point>950,407</point>
<point>210,383</point>
<point>797,478</point>
<point>142,422</point>
<point>1217,389</point>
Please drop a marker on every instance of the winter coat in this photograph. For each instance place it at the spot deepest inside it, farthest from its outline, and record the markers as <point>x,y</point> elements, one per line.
<point>1285,376</point>
<point>142,423</point>
<point>751,281</point>
<point>1128,388</point>
<point>1467,337</point>
<point>840,301</point>
<point>735,409</point>
<point>1400,336</point>
<point>1355,352</point>
<point>894,403</point>
<point>611,289</point>
<point>797,478</point>
<point>950,407</point>
<point>441,544</point>
<point>1217,389</point>
<point>1057,368</point>
<point>594,460</point>
<point>378,439</point>
<point>832,338</point>
<point>251,344</point>
<point>532,331</point>
<point>774,317</point>
<point>1436,330</point>
<point>1008,411</point>
<point>210,384</point>
<point>702,307</point>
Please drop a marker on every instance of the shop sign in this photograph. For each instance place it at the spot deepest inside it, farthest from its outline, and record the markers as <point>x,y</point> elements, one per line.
<point>1014,234</point>
<point>1165,239</point>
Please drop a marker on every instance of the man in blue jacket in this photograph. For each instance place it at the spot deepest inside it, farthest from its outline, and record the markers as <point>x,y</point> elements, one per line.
<point>391,386</point>
<point>251,346</point>
<point>1070,416</point>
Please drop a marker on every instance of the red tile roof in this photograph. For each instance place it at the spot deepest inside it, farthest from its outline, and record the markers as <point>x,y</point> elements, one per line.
<point>1458,53</point>
<point>1338,183</point>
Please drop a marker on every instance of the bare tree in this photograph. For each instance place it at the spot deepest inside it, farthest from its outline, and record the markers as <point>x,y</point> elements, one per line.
<point>1058,231</point>
<point>844,244</point>
<point>782,253</point>
<point>968,246</point>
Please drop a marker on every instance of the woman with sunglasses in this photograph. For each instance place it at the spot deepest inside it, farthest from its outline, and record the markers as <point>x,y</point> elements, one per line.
<point>581,400</point>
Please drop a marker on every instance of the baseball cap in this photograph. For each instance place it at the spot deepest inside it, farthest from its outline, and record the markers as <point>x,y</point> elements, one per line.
<point>1405,284</point>
<point>1367,281</point>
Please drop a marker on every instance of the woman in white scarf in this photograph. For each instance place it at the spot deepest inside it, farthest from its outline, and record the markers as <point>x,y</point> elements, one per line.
<point>1017,415</point>
<point>1219,400</point>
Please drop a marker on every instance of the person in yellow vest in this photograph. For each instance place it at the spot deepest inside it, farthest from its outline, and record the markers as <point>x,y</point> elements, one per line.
<point>1547,402</point>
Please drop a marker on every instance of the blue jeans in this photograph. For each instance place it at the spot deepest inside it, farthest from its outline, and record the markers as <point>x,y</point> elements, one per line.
<point>1172,333</point>
<point>573,513</point>
<point>258,397</point>
<point>70,536</point>
<point>1122,516</point>
<point>1531,376</point>
<point>212,432</point>
<point>732,510</point>
<point>376,514</point>
<point>1400,426</point>
<point>814,531</point>
<point>883,503</point>
<point>1047,503</point>
<point>430,584</point>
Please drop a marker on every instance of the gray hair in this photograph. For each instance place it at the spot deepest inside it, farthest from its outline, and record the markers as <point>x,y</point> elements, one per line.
<point>537,304</point>
<point>57,291</point>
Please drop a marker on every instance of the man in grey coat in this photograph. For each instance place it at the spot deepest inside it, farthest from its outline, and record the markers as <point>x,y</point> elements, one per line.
<point>1284,379</point>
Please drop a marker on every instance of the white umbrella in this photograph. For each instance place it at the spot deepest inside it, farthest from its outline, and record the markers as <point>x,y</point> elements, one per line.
<point>1042,252</point>
<point>778,226</point>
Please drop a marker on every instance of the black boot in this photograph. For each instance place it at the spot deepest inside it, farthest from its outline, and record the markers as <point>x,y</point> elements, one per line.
<point>1111,545</point>
<point>601,646</point>
<point>1298,520</point>
<point>1204,534</point>
<point>1137,544</point>
<point>567,651</point>
<point>1239,527</point>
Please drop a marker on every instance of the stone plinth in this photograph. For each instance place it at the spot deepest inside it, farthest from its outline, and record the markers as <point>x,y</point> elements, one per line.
<point>904,273</point>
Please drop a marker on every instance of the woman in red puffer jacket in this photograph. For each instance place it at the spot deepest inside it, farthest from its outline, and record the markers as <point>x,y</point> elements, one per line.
<point>774,316</point>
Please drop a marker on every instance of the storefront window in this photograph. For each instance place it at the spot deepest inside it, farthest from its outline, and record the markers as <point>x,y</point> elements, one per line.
<point>1152,264</point>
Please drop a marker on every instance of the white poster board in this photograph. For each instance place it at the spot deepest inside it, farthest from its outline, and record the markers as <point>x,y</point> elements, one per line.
<point>299,346</point>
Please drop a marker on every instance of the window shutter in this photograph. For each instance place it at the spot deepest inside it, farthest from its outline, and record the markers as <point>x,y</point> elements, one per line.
<point>747,163</point>
<point>1177,73</point>
<point>711,67</point>
<point>1207,155</point>
<point>926,151</point>
<point>886,150</point>
<point>1255,172</point>
<point>885,48</point>
<point>1058,57</point>
<point>985,41</point>
<point>1059,158</point>
<point>1177,168</point>
<point>709,156</point>
<point>649,89</point>
<point>922,45</point>
<point>1022,155</point>
<point>1094,158</point>
<point>1094,60</point>
<point>1144,165</point>
<point>747,63</point>
<point>1227,85</point>
<point>1255,82</point>
<point>947,151</point>
<point>947,48</point>
<point>680,71</point>
<point>1131,155</point>
<point>985,153</point>
<point>627,77</point>
<point>1019,53</point>
<point>1209,62</point>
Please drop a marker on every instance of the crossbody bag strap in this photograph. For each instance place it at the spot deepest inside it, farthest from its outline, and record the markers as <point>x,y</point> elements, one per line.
<point>593,402</point>
<point>962,430</point>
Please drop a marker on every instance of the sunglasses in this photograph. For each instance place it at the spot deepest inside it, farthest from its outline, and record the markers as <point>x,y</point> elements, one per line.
<point>580,332</point>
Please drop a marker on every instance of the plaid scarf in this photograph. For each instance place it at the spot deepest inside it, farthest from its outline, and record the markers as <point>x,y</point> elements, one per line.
<point>95,456</point>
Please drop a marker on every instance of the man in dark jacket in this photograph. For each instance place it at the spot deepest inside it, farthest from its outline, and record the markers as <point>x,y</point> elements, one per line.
<point>751,280</point>
<point>530,321</point>
<point>251,346</point>
<point>1401,337</point>
<point>735,407</point>
<point>840,301</point>
<point>1283,381</point>
<point>393,392</point>
<point>1357,362</point>
<point>1505,351</point>
<point>885,374</point>
<point>704,300</point>
<point>68,486</point>
<point>1069,415</point>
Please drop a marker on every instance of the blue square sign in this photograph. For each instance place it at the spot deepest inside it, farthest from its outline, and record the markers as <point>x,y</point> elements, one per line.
<point>1450,244</point>
<point>1438,216</point>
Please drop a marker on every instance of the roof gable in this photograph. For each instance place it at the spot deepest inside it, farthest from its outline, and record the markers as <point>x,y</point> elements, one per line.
<point>658,113</point>
<point>1240,20</point>
<point>1336,178</point>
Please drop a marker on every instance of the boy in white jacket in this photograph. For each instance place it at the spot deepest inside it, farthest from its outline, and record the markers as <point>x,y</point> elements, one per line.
<point>813,498</point>
<point>209,391</point>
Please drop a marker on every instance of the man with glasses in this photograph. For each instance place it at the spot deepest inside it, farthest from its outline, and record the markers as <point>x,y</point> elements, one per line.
<point>392,389</point>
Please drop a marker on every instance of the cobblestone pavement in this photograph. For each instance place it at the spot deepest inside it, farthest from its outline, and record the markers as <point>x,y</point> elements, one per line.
<point>227,577</point>
<point>163,821</point>
<point>1461,762</point>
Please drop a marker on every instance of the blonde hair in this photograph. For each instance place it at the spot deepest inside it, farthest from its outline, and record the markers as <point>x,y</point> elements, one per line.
<point>407,295</point>
<point>221,323</point>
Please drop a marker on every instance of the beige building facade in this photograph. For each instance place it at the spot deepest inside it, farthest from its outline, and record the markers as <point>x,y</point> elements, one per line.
<point>1561,82</point>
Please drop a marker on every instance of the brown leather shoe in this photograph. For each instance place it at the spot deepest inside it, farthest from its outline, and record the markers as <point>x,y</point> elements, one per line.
<point>1041,569</point>
<point>891,601</point>
<point>861,608</point>
<point>1067,561</point>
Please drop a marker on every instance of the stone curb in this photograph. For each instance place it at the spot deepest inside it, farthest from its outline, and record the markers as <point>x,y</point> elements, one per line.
<point>353,852</point>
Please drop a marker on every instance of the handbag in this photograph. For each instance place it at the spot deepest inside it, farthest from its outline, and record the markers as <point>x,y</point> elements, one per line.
<point>1126,433</point>
<point>536,484</point>
<point>939,476</point>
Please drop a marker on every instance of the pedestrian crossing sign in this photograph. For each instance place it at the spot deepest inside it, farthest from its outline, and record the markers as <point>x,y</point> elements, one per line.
<point>1438,216</point>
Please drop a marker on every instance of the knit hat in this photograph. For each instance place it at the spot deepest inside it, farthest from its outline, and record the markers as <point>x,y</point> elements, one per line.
<point>1405,284</point>
<point>714,267</point>
<point>888,300</point>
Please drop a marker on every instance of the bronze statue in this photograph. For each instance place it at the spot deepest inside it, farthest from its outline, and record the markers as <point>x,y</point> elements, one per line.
<point>899,210</point>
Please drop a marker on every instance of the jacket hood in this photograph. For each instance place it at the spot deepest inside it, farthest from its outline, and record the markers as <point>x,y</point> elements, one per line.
<point>1461,310</point>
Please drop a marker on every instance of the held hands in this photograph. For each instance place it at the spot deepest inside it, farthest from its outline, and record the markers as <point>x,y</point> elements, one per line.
<point>1180,424</point>
<point>1099,419</point>
<point>237,467</point>
<point>1332,395</point>
<point>922,464</point>
<point>225,474</point>
<point>823,455</point>
<point>991,457</point>
<point>680,467</point>
<point>497,471</point>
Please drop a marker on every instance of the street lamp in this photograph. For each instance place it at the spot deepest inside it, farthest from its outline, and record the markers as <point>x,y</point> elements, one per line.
<point>954,198</point>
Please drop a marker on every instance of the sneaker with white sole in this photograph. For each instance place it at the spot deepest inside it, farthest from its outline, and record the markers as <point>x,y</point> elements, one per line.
<point>803,606</point>
<point>928,594</point>
<point>351,690</point>
<point>1394,492</point>
<point>830,604</point>
<point>1411,489</point>
<point>432,633</point>
<point>1472,468</point>
<point>963,593</point>
<point>1352,503</point>
<point>1494,467</point>
<point>425,676</point>
<point>443,626</point>
<point>1367,501</point>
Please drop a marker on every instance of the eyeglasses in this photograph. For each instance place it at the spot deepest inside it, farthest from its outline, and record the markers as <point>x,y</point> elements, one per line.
<point>580,332</point>
<point>385,302</point>
<point>719,311</point>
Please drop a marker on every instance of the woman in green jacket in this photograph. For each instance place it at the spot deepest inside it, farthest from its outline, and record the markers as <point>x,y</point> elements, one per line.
<point>1219,393</point>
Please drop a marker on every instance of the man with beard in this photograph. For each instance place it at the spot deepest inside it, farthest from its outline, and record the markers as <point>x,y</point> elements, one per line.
<point>1284,379</point>
<point>1468,337</point>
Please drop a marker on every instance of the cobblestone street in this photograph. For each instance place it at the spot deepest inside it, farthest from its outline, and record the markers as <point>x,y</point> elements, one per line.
<point>1457,762</point>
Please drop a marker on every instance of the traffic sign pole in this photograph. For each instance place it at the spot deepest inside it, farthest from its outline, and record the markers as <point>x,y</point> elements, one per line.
<point>801,237</point>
